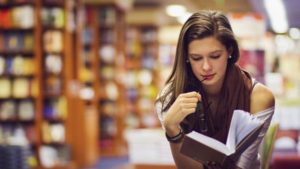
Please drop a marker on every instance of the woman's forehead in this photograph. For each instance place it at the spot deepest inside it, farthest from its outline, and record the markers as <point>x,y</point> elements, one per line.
<point>205,45</point>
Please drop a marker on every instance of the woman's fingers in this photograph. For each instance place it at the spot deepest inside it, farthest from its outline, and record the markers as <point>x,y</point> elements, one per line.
<point>190,94</point>
<point>190,100</point>
<point>188,111</point>
<point>189,105</point>
<point>187,102</point>
<point>184,105</point>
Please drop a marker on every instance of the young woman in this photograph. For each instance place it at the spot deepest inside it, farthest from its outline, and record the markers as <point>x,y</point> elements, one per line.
<point>205,71</point>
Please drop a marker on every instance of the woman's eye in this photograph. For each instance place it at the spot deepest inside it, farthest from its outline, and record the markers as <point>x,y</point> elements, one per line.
<point>215,56</point>
<point>195,59</point>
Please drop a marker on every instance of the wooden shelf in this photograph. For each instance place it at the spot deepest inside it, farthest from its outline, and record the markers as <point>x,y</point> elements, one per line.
<point>99,28</point>
<point>38,56</point>
<point>145,166</point>
<point>71,165</point>
<point>17,120</point>
<point>143,40</point>
<point>15,4</point>
<point>15,29</point>
<point>52,28</point>
<point>114,152</point>
<point>18,98</point>
<point>54,3</point>
<point>54,120</point>
<point>17,52</point>
<point>13,76</point>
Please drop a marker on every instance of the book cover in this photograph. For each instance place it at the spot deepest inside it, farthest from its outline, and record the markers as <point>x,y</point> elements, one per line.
<point>243,131</point>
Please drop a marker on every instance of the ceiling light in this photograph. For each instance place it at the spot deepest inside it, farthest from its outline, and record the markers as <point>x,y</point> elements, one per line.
<point>277,15</point>
<point>284,44</point>
<point>294,33</point>
<point>175,10</point>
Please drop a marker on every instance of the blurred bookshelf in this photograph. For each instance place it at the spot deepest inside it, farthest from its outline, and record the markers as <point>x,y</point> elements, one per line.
<point>33,100</point>
<point>104,44</point>
<point>18,81</point>
<point>142,49</point>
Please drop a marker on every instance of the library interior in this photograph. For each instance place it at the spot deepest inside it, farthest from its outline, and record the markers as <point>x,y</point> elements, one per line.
<point>79,79</point>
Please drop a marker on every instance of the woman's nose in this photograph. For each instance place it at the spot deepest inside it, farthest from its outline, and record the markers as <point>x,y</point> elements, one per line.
<point>206,65</point>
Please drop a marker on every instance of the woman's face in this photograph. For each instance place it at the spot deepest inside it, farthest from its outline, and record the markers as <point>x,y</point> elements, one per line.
<point>208,58</point>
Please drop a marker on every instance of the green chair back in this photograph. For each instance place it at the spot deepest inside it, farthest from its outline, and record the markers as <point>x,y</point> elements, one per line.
<point>268,144</point>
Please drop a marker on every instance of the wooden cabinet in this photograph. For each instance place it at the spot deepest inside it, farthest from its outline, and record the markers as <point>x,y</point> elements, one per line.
<point>124,81</point>
<point>111,25</point>
<point>104,41</point>
<point>85,115</point>
<point>142,80</point>
<point>56,73</point>
<point>19,122</point>
<point>36,66</point>
<point>155,166</point>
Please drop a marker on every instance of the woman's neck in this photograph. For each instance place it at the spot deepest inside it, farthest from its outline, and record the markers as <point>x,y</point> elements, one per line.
<point>213,91</point>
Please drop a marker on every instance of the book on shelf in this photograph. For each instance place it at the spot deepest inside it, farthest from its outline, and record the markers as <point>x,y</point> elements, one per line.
<point>13,41</point>
<point>1,41</point>
<point>8,110</point>
<point>5,21</point>
<point>244,130</point>
<point>5,88</point>
<point>22,16</point>
<point>21,88</point>
<point>26,110</point>
<point>2,65</point>
<point>53,17</point>
<point>53,41</point>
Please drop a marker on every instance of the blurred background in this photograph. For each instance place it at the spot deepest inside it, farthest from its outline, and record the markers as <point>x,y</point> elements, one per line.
<point>79,78</point>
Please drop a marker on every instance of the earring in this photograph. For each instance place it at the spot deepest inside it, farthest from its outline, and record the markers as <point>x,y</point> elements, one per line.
<point>229,57</point>
<point>187,61</point>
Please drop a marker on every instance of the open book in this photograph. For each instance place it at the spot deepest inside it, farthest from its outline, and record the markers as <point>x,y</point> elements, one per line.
<point>243,131</point>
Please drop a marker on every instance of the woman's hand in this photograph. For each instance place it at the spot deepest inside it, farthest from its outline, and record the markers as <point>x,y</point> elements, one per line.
<point>184,105</point>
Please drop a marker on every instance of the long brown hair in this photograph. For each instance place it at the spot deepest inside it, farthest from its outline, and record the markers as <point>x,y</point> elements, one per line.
<point>237,83</point>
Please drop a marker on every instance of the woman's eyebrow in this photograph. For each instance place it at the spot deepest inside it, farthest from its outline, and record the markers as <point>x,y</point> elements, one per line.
<point>199,55</point>
<point>195,55</point>
<point>216,51</point>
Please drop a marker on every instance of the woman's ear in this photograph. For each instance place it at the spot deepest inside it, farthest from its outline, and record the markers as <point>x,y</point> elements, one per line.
<point>229,50</point>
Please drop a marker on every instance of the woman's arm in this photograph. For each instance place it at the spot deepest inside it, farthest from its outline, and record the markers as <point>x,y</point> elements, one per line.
<point>184,105</point>
<point>261,99</point>
<point>262,106</point>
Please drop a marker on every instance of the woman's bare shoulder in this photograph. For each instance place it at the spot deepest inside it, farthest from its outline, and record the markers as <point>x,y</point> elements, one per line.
<point>261,98</point>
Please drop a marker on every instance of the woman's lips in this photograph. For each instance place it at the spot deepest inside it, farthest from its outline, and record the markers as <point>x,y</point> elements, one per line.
<point>208,77</point>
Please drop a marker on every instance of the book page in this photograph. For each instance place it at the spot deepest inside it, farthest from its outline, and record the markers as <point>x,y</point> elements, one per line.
<point>231,141</point>
<point>246,124</point>
<point>242,124</point>
<point>210,142</point>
